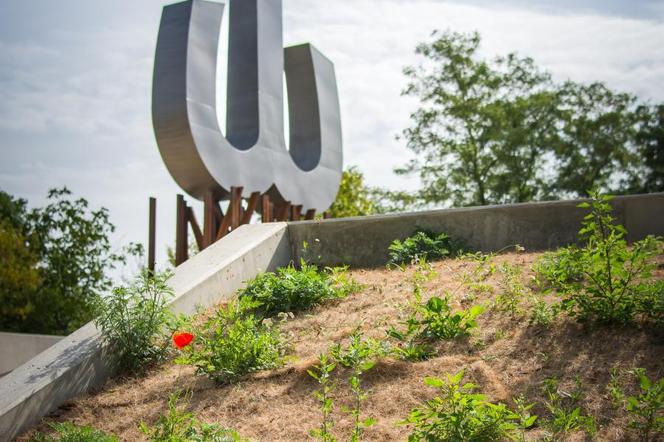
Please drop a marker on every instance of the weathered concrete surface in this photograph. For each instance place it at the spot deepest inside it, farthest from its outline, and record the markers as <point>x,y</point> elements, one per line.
<point>17,348</point>
<point>80,362</point>
<point>363,242</point>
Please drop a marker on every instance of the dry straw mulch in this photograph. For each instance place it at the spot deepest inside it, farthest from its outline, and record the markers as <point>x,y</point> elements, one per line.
<point>506,356</point>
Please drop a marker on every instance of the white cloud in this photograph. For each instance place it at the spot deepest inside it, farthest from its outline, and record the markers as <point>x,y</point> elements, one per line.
<point>74,104</point>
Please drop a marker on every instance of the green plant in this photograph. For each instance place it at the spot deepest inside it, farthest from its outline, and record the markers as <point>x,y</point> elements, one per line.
<point>459,414</point>
<point>234,342</point>
<point>410,350</point>
<point>135,319</point>
<point>62,254</point>
<point>322,373</point>
<point>68,432</point>
<point>359,356</point>
<point>354,198</point>
<point>422,244</point>
<point>292,290</point>
<point>558,269</point>
<point>512,289</point>
<point>182,426</point>
<point>566,415</point>
<point>435,319</point>
<point>612,289</point>
<point>645,408</point>
<point>542,314</point>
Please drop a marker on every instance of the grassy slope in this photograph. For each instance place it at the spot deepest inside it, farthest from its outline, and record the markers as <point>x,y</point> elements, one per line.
<point>506,356</point>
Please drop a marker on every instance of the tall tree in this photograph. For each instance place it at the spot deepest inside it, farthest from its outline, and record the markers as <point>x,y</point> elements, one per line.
<point>60,256</point>
<point>500,130</point>
<point>482,125</point>
<point>651,140</point>
<point>597,145</point>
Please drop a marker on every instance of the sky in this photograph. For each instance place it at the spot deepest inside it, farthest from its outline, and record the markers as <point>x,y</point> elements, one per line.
<point>75,83</point>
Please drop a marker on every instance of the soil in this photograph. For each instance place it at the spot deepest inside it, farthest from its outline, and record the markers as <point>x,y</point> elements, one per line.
<point>506,356</point>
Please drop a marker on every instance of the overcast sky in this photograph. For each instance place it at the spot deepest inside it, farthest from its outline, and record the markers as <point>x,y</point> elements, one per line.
<point>75,78</point>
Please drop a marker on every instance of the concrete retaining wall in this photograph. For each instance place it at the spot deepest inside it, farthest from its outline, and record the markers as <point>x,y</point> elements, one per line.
<point>17,348</point>
<point>363,242</point>
<point>80,362</point>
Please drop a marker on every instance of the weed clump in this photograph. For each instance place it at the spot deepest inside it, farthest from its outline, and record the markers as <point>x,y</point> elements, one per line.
<point>182,426</point>
<point>135,320</point>
<point>68,432</point>
<point>460,414</point>
<point>235,342</point>
<point>645,407</point>
<point>566,415</point>
<point>423,245</point>
<point>290,289</point>
<point>606,280</point>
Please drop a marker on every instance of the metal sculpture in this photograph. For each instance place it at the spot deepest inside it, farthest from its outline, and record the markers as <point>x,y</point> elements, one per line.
<point>252,159</point>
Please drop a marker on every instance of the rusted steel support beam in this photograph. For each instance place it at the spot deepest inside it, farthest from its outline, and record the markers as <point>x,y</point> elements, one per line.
<point>152,234</point>
<point>311,214</point>
<point>191,217</point>
<point>181,240</point>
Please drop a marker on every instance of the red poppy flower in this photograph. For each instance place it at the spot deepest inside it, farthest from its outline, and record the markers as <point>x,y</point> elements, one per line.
<point>182,339</point>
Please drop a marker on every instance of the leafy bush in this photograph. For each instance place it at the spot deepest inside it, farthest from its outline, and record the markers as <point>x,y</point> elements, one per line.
<point>62,255</point>
<point>135,319</point>
<point>182,426</point>
<point>612,289</point>
<point>68,432</point>
<point>293,290</point>
<point>424,245</point>
<point>645,408</point>
<point>234,342</point>
<point>566,415</point>
<point>459,414</point>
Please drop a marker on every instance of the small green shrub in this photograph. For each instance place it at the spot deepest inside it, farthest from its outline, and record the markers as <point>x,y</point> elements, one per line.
<point>566,415</point>
<point>645,408</point>
<point>559,269</point>
<point>512,289</point>
<point>360,355</point>
<point>409,350</point>
<point>68,432</point>
<point>234,342</point>
<point>459,414</point>
<point>293,290</point>
<point>134,320</point>
<point>181,426</point>
<point>435,319</point>
<point>542,314</point>
<point>322,373</point>
<point>605,280</point>
<point>421,245</point>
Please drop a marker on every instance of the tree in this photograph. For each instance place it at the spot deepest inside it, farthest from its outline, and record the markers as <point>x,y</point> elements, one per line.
<point>62,253</point>
<point>597,144</point>
<point>354,197</point>
<point>651,140</point>
<point>500,131</point>
<point>19,277</point>
<point>482,125</point>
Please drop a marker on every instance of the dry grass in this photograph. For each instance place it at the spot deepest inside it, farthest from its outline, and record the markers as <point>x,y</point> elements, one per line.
<point>506,356</point>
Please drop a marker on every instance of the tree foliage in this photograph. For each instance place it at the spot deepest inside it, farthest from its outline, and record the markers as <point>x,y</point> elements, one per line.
<point>501,130</point>
<point>59,255</point>
<point>354,197</point>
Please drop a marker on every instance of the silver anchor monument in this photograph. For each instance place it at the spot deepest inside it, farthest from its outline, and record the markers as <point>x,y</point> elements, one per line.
<point>253,154</point>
